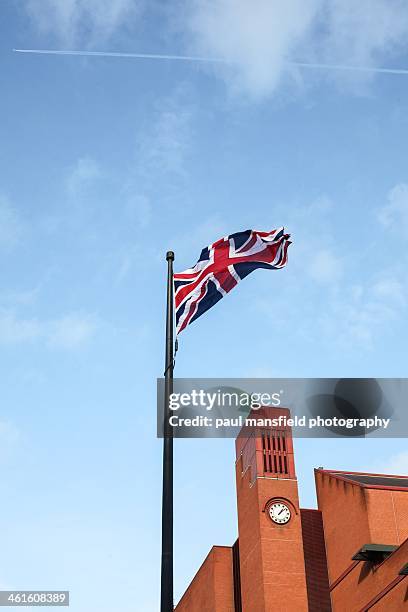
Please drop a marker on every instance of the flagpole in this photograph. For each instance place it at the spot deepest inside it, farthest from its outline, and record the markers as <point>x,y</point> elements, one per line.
<point>167,499</point>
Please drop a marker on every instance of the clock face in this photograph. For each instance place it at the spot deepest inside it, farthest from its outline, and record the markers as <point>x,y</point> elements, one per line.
<point>279,513</point>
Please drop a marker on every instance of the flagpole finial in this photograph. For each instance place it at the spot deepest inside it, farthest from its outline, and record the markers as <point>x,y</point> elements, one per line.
<point>170,255</point>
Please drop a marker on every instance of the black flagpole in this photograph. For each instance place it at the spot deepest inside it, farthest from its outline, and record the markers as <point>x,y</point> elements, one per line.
<point>167,500</point>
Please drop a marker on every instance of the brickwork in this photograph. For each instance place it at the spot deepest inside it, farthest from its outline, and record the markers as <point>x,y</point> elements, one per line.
<point>317,579</point>
<point>271,555</point>
<point>211,589</point>
<point>355,515</point>
<point>366,581</point>
<point>293,567</point>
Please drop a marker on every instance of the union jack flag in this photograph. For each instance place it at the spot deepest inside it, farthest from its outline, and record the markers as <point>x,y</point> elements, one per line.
<point>221,266</point>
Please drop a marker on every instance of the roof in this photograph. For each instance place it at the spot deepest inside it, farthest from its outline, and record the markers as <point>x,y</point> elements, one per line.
<point>371,481</point>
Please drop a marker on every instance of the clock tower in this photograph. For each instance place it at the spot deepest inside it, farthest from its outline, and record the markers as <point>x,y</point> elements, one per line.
<point>271,557</point>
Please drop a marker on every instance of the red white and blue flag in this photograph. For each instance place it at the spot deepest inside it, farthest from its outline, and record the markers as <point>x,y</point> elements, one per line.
<point>221,266</point>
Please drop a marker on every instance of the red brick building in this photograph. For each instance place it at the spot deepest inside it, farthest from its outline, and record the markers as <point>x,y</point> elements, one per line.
<point>349,555</point>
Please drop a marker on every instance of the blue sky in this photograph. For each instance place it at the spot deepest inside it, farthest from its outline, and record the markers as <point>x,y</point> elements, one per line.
<point>107,163</point>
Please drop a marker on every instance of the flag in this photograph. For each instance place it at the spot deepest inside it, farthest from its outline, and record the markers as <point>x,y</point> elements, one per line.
<point>221,266</point>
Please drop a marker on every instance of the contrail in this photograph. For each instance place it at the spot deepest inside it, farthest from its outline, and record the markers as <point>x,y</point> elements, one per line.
<point>345,67</point>
<point>194,58</point>
<point>183,58</point>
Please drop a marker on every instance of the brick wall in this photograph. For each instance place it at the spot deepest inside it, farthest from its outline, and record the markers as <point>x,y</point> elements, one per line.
<point>211,589</point>
<point>317,579</point>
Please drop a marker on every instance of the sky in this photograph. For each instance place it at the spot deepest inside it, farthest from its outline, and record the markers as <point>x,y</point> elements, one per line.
<point>108,162</point>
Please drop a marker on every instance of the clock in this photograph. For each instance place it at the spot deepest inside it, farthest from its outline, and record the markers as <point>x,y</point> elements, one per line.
<point>279,513</point>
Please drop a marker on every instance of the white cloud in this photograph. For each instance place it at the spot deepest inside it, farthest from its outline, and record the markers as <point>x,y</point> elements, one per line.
<point>362,32</point>
<point>138,211</point>
<point>74,22</point>
<point>325,267</point>
<point>9,437</point>
<point>261,38</point>
<point>257,37</point>
<point>359,315</point>
<point>83,174</point>
<point>8,432</point>
<point>10,224</point>
<point>28,296</point>
<point>165,145</point>
<point>315,241</point>
<point>396,464</point>
<point>72,331</point>
<point>261,372</point>
<point>356,308</point>
<point>394,214</point>
<point>390,289</point>
<point>129,256</point>
<point>15,331</point>
<point>67,332</point>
